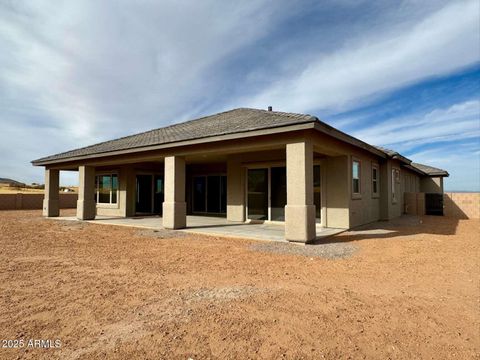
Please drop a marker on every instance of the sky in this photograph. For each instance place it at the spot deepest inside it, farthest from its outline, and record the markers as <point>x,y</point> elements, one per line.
<point>400,74</point>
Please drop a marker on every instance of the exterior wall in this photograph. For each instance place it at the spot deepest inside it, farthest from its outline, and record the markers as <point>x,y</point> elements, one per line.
<point>462,205</point>
<point>431,185</point>
<point>339,208</point>
<point>366,207</point>
<point>337,192</point>
<point>127,188</point>
<point>120,208</point>
<point>21,201</point>
<point>235,190</point>
<point>409,181</point>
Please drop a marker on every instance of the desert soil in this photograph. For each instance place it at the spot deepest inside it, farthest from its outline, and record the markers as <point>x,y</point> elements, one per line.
<point>407,291</point>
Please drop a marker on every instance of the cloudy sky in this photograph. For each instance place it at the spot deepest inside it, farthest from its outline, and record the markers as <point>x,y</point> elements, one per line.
<point>402,74</point>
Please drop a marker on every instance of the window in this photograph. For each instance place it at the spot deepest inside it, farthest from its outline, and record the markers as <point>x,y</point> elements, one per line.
<point>106,186</point>
<point>375,187</point>
<point>356,177</point>
<point>395,182</point>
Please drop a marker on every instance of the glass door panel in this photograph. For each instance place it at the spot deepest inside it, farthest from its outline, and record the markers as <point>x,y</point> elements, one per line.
<point>144,194</point>
<point>278,193</point>
<point>223,194</point>
<point>199,194</point>
<point>317,191</point>
<point>213,194</point>
<point>257,194</point>
<point>158,195</point>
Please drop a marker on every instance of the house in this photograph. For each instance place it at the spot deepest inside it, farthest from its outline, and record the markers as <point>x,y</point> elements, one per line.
<point>246,165</point>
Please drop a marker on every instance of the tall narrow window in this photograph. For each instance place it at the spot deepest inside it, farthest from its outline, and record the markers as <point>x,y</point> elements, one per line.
<point>356,177</point>
<point>375,188</point>
<point>395,182</point>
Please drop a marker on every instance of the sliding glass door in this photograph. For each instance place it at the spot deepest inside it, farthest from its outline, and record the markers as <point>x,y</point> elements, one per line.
<point>210,194</point>
<point>267,193</point>
<point>317,191</point>
<point>257,196</point>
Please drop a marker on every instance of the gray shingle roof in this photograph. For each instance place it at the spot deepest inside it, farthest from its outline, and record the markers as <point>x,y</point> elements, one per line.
<point>394,154</point>
<point>228,122</point>
<point>429,170</point>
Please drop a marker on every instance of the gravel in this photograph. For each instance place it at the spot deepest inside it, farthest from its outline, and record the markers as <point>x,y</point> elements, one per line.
<point>162,234</point>
<point>327,251</point>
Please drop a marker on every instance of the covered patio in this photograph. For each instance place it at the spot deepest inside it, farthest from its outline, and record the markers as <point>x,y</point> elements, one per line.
<point>208,225</point>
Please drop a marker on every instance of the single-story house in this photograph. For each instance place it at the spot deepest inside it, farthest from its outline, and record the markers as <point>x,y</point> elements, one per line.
<point>246,165</point>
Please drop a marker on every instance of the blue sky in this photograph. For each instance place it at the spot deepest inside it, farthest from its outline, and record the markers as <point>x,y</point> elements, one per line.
<point>402,74</point>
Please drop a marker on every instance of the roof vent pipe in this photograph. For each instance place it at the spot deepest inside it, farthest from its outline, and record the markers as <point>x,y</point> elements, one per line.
<point>269,108</point>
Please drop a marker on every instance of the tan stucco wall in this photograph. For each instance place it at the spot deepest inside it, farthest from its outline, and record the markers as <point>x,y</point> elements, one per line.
<point>365,208</point>
<point>300,211</point>
<point>125,181</point>
<point>337,192</point>
<point>235,189</point>
<point>86,189</point>
<point>341,210</point>
<point>51,200</point>
<point>431,185</point>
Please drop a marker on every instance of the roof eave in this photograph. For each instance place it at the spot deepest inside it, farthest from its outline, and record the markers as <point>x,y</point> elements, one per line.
<point>329,130</point>
<point>309,124</point>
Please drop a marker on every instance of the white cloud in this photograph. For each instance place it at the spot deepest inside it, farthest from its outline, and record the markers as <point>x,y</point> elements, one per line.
<point>457,122</point>
<point>437,45</point>
<point>76,72</point>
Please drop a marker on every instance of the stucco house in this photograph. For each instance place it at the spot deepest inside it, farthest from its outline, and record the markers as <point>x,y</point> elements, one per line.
<point>246,165</point>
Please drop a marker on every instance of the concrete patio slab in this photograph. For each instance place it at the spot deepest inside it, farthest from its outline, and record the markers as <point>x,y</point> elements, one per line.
<point>208,225</point>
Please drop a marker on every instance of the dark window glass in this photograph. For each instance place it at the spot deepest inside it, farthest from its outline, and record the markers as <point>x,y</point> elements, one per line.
<point>104,188</point>
<point>356,177</point>
<point>213,194</point>
<point>114,188</point>
<point>158,195</point>
<point>317,191</point>
<point>374,180</point>
<point>199,194</point>
<point>144,194</point>
<point>278,193</point>
<point>223,195</point>
<point>258,194</point>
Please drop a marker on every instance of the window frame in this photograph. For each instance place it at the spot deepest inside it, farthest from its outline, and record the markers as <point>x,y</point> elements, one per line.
<point>97,189</point>
<point>376,194</point>
<point>356,195</point>
<point>395,184</point>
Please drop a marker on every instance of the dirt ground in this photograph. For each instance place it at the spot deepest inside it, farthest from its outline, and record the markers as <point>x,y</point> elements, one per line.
<point>407,291</point>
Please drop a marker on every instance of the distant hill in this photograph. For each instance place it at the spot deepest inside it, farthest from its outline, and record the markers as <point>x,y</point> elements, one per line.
<point>11,182</point>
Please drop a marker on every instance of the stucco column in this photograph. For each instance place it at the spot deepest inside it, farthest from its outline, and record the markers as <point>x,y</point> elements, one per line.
<point>174,206</point>
<point>300,210</point>
<point>86,207</point>
<point>51,199</point>
<point>235,190</point>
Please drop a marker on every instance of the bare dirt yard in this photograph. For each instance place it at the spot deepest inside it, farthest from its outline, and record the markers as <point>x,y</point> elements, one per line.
<point>407,291</point>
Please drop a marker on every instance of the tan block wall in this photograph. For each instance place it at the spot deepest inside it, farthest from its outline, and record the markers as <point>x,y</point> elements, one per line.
<point>34,201</point>
<point>462,205</point>
<point>414,203</point>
